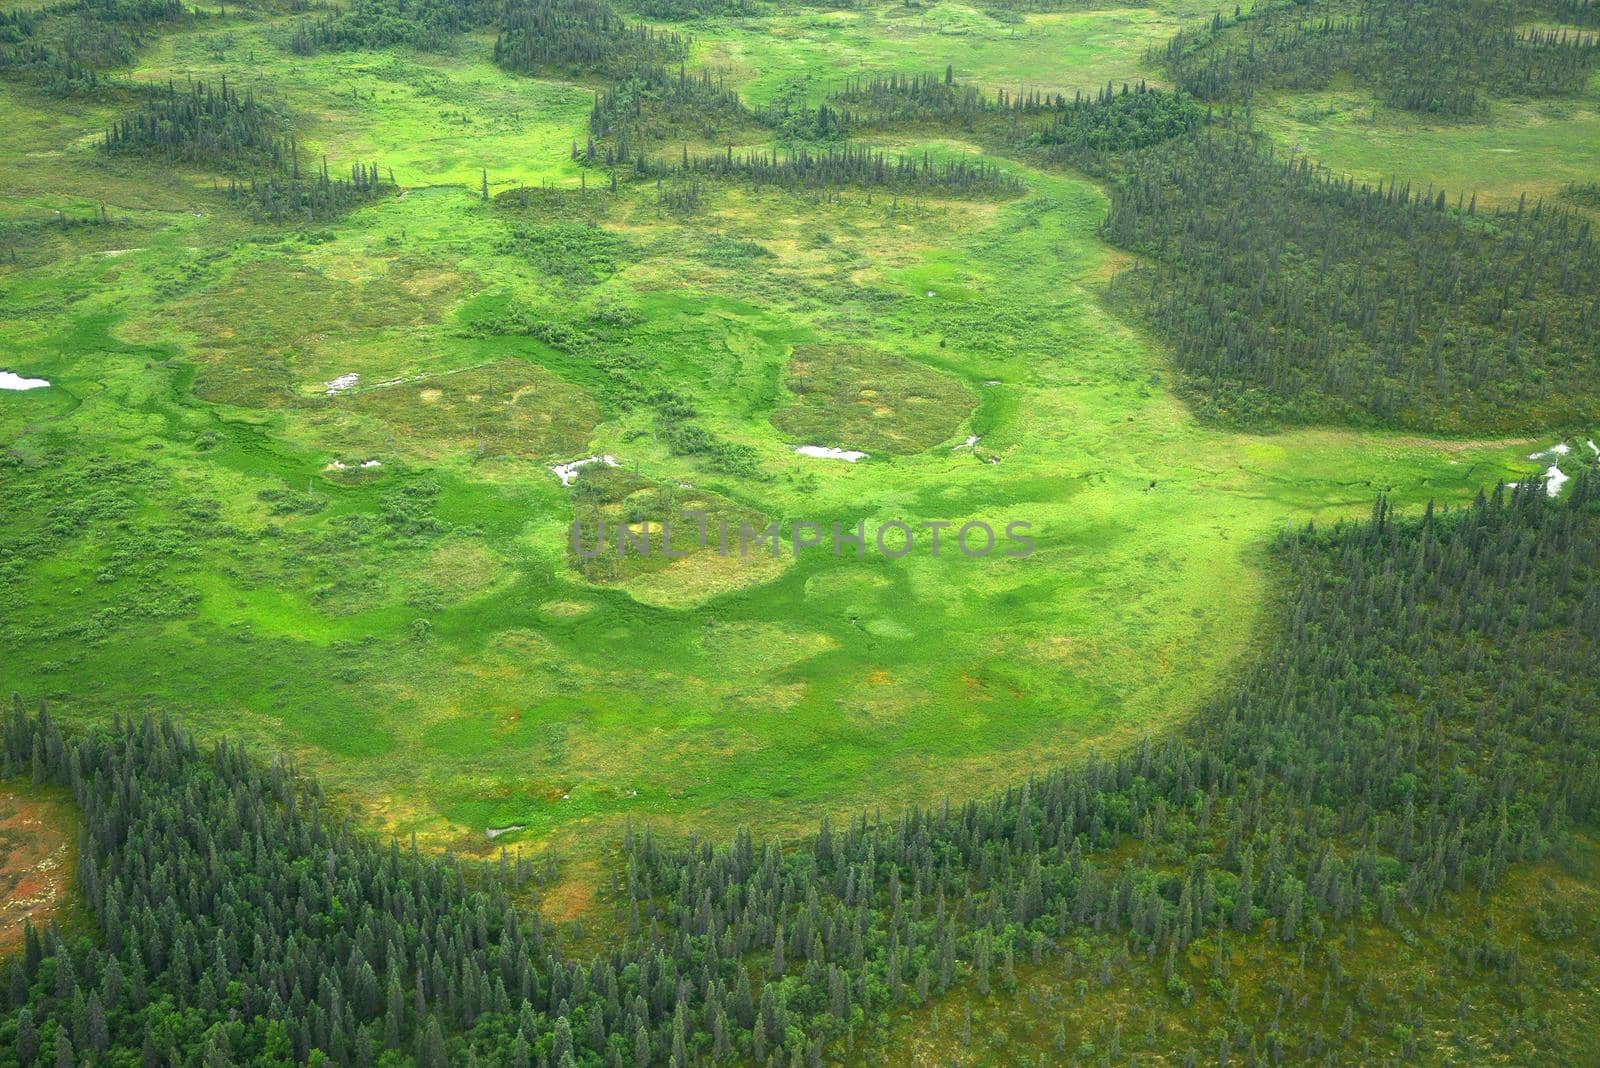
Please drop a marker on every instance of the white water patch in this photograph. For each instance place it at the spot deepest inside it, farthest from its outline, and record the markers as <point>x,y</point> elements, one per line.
<point>495,832</point>
<point>969,443</point>
<point>14,381</point>
<point>1561,448</point>
<point>823,452</point>
<point>342,384</point>
<point>1554,479</point>
<point>568,472</point>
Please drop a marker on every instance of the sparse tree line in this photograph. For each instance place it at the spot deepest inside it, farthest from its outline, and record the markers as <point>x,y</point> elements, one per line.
<point>1576,12</point>
<point>672,10</point>
<point>201,123</point>
<point>896,101</point>
<point>1439,56</point>
<point>999,8</point>
<point>651,106</point>
<point>1090,129</point>
<point>1423,722</point>
<point>633,116</point>
<point>429,25</point>
<point>68,46</point>
<point>290,196</point>
<point>622,136</point>
<point>907,98</point>
<point>901,99</point>
<point>220,128</point>
<point>853,165</point>
<point>1288,293</point>
<point>534,36</point>
<point>576,36</point>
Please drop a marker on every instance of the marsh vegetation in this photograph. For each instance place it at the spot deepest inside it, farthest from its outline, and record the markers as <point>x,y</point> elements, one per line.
<point>324,324</point>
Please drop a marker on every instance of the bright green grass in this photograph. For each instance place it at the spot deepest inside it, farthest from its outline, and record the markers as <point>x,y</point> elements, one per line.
<point>1525,147</point>
<point>1054,52</point>
<point>433,119</point>
<point>417,631</point>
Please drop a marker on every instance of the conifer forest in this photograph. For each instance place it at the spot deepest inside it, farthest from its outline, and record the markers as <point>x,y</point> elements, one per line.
<point>615,533</point>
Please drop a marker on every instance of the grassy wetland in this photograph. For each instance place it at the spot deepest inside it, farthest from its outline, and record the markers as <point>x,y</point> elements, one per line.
<point>294,474</point>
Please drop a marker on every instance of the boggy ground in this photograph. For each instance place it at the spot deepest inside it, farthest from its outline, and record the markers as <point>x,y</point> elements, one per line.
<point>205,511</point>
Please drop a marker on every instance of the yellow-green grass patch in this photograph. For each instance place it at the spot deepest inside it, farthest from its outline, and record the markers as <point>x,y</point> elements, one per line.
<point>857,397</point>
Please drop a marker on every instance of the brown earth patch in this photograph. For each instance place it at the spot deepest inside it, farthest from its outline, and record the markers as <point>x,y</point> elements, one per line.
<point>37,865</point>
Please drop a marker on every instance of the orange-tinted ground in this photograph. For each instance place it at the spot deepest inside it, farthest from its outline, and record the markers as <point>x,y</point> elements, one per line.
<point>35,859</point>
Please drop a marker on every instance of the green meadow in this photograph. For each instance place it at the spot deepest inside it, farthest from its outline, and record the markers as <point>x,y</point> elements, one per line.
<point>294,483</point>
<point>1077,48</point>
<point>1524,147</point>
